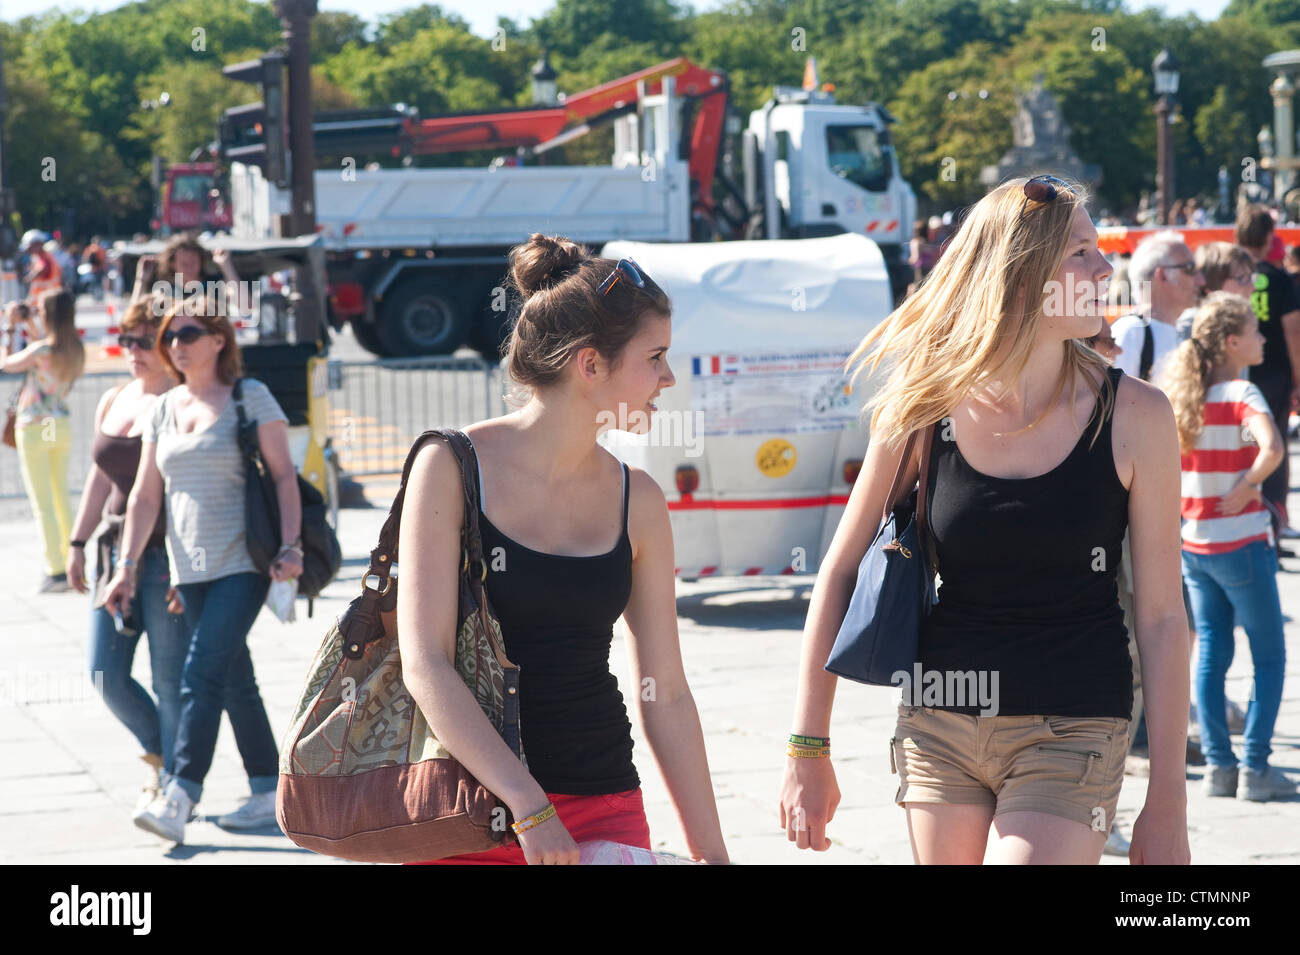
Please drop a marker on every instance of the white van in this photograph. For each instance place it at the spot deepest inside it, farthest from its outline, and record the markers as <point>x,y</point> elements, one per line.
<point>758,444</point>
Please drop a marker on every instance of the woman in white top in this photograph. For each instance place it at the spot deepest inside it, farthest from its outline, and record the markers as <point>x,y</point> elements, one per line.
<point>190,457</point>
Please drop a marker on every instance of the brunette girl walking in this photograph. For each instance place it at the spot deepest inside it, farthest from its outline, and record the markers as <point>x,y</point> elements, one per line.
<point>575,540</point>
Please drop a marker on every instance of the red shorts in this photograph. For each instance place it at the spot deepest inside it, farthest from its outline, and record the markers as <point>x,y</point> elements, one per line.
<point>618,817</point>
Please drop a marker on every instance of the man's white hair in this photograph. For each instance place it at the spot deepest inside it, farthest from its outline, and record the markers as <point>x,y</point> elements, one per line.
<point>1150,252</point>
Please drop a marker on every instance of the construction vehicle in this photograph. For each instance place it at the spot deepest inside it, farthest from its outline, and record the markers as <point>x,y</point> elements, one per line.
<point>416,257</point>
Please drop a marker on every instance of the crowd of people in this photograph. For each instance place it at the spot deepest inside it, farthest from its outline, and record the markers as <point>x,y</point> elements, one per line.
<point>165,489</point>
<point>1184,409</point>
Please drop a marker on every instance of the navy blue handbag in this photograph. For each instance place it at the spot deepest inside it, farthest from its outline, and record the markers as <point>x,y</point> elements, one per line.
<point>895,587</point>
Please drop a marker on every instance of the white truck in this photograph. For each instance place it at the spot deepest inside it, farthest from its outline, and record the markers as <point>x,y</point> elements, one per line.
<point>759,442</point>
<point>416,256</point>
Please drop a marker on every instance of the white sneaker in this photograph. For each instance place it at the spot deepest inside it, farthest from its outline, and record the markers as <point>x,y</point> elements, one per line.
<point>1288,533</point>
<point>257,812</point>
<point>167,814</point>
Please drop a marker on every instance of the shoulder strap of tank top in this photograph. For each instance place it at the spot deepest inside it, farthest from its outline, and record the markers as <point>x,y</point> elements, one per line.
<point>627,484</point>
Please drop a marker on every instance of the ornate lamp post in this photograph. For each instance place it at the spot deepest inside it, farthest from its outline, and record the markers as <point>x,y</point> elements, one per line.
<point>543,82</point>
<point>1165,69</point>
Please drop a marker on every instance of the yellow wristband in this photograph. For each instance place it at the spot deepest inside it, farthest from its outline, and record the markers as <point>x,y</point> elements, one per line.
<point>536,819</point>
<point>807,752</point>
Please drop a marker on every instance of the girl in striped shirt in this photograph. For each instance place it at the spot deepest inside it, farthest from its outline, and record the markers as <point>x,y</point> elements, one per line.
<point>1229,444</point>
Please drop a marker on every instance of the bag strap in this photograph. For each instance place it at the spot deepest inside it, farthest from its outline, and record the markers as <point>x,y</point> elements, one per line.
<point>896,491</point>
<point>473,567</point>
<point>385,552</point>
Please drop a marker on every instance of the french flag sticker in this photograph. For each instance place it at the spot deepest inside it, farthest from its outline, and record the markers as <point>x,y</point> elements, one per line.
<point>709,365</point>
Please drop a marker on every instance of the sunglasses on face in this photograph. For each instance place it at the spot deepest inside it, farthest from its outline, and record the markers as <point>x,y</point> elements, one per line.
<point>1044,189</point>
<point>186,336</point>
<point>625,269</point>
<point>142,342</point>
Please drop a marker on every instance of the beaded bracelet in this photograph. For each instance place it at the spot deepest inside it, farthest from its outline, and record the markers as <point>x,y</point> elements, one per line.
<point>536,819</point>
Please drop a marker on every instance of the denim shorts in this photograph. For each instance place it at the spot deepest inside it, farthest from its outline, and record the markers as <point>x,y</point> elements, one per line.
<point>1070,767</point>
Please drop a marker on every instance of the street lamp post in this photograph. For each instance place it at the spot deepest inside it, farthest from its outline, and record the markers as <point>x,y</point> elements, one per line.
<point>1165,69</point>
<point>544,76</point>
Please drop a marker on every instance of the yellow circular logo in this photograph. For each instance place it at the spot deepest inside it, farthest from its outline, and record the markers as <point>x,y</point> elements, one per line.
<point>776,458</point>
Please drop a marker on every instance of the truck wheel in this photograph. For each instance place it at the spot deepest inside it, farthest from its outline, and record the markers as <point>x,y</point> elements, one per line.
<point>421,318</point>
<point>367,335</point>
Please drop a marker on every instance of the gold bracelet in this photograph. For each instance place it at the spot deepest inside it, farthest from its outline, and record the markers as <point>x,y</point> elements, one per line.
<point>807,752</point>
<point>536,819</point>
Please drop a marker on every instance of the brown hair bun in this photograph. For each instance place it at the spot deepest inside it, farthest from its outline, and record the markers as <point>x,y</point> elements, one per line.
<point>543,261</point>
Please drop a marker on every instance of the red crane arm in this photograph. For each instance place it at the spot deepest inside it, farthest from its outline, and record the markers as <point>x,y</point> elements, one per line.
<point>508,129</point>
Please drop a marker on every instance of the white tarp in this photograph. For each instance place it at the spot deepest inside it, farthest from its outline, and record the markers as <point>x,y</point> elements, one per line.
<point>767,295</point>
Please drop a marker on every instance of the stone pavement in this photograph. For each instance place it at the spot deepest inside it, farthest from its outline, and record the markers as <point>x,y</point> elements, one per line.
<point>69,774</point>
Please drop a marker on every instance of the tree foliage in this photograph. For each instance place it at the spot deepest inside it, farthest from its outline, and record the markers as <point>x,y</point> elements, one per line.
<point>76,80</point>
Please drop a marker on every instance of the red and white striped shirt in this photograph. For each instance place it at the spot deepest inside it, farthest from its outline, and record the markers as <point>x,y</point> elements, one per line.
<point>1224,451</point>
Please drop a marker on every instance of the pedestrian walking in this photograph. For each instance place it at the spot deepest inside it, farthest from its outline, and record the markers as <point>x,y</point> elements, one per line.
<point>574,541</point>
<point>190,459</point>
<point>1230,444</point>
<point>50,364</point>
<point>1277,306</point>
<point>43,272</point>
<point>988,355</point>
<point>120,420</point>
<point>1164,282</point>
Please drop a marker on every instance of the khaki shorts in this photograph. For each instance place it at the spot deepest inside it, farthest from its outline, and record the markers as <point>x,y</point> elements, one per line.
<point>1065,766</point>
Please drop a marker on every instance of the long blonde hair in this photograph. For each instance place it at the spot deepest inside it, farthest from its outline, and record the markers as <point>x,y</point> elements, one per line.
<point>1185,377</point>
<point>941,342</point>
<point>67,354</point>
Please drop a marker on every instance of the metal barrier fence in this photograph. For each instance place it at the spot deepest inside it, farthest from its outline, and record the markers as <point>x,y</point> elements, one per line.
<point>377,408</point>
<point>81,401</point>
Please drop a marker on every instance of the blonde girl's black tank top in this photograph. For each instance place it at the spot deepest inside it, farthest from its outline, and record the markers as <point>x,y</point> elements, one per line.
<point>1028,581</point>
<point>557,615</point>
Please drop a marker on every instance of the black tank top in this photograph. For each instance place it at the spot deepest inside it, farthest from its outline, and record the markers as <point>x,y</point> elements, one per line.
<point>1027,587</point>
<point>557,616</point>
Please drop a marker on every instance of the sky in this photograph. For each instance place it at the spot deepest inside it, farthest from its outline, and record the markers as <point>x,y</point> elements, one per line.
<point>482,14</point>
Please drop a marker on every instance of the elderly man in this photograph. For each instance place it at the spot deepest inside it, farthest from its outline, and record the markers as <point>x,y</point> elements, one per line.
<point>1164,281</point>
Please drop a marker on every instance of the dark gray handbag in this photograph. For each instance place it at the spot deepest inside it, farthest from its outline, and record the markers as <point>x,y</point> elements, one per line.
<point>894,592</point>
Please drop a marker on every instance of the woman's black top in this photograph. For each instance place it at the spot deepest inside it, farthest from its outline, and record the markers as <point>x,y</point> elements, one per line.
<point>1028,589</point>
<point>557,615</point>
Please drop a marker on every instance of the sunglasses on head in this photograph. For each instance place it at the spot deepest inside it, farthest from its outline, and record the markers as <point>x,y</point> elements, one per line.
<point>625,269</point>
<point>1188,267</point>
<point>1044,189</point>
<point>186,336</point>
<point>142,342</point>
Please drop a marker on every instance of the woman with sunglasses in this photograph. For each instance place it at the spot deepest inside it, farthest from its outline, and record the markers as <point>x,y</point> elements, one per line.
<point>120,420</point>
<point>1042,455</point>
<point>190,459</point>
<point>589,344</point>
<point>1225,267</point>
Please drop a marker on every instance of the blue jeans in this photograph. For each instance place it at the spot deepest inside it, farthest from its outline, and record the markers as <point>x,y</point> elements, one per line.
<point>219,674</point>
<point>111,655</point>
<point>1239,586</point>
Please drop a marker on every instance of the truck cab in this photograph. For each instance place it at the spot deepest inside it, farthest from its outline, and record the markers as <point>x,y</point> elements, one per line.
<point>819,168</point>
